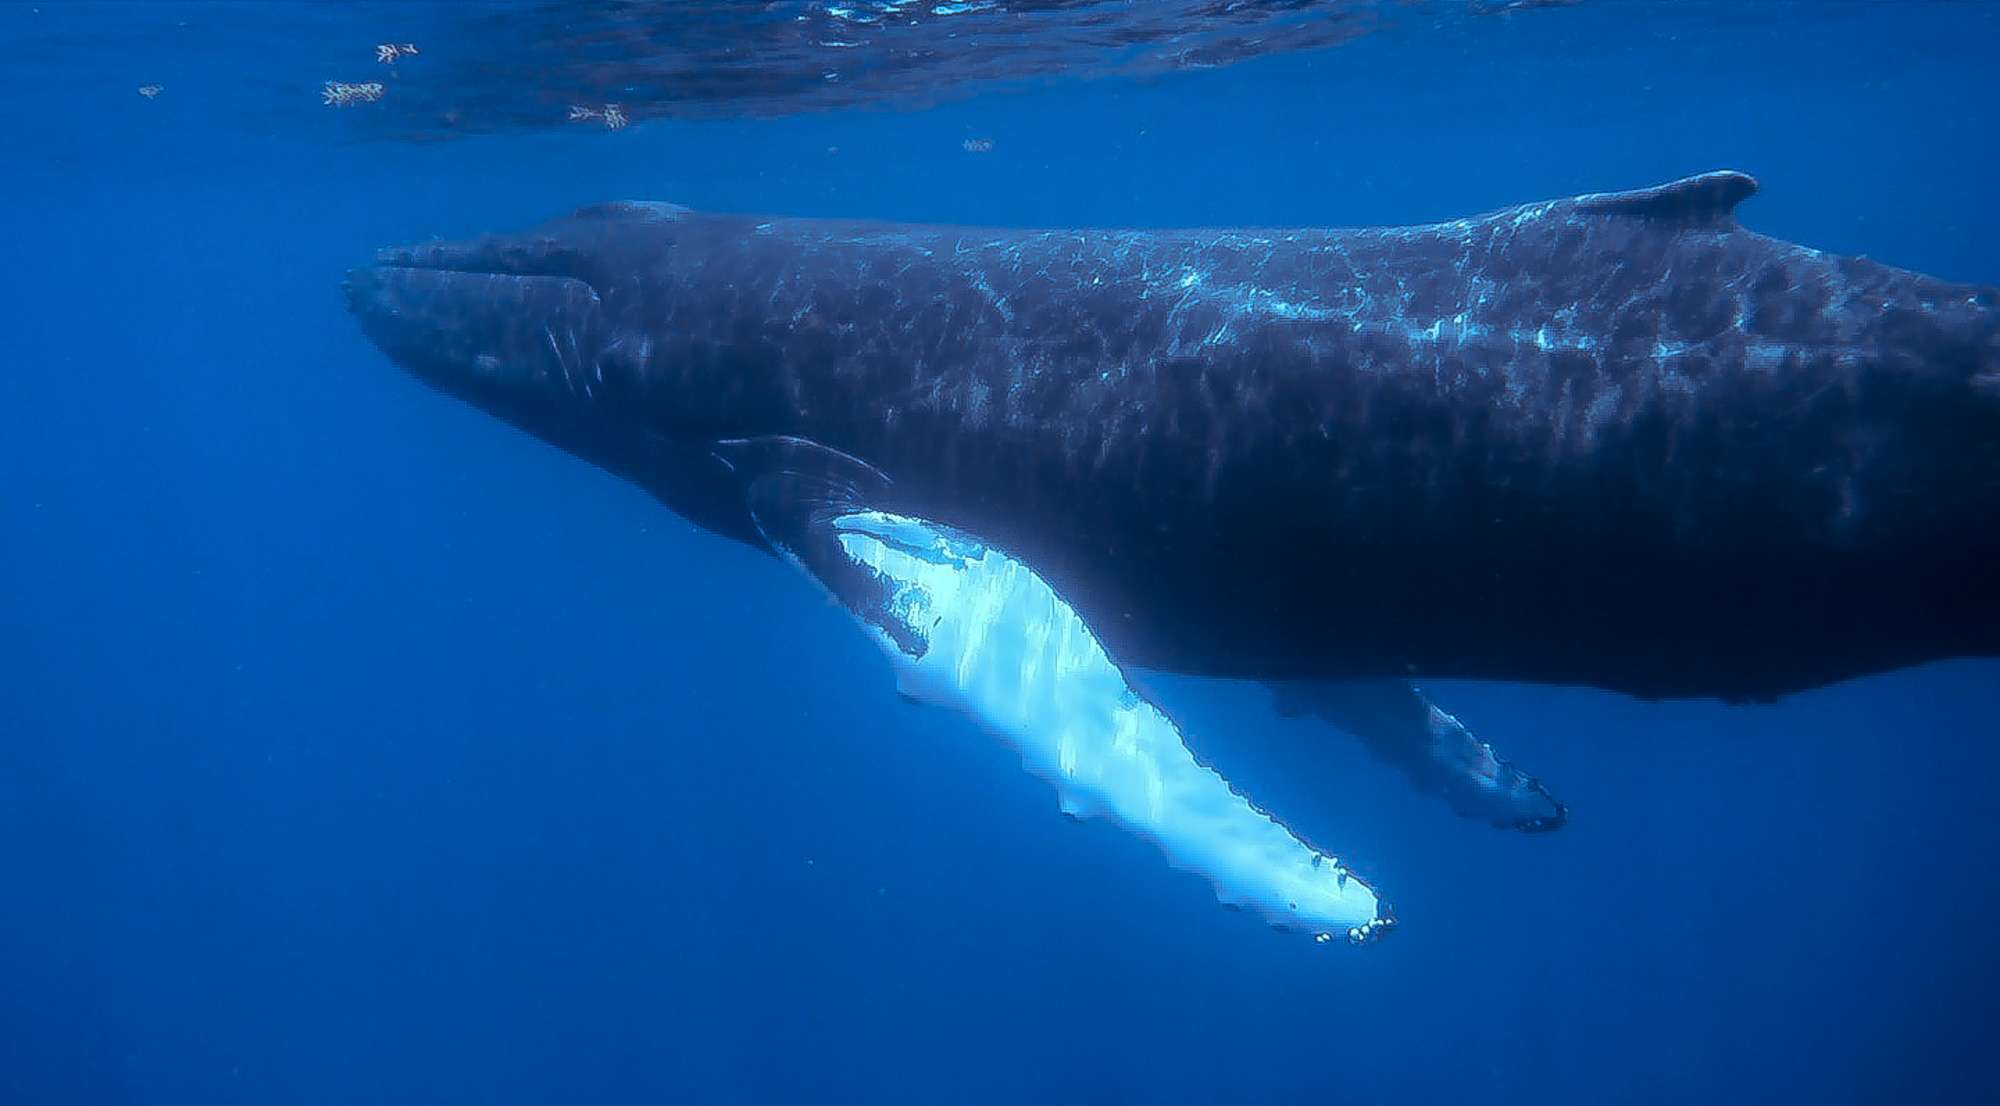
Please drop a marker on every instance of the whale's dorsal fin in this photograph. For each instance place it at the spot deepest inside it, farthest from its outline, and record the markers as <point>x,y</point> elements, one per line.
<point>1707,198</point>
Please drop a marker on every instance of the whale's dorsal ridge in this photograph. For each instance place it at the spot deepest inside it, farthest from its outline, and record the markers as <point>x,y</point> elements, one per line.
<point>650,211</point>
<point>1703,198</point>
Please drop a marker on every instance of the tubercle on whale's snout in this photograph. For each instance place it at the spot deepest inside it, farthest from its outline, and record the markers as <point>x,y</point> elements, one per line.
<point>360,288</point>
<point>350,289</point>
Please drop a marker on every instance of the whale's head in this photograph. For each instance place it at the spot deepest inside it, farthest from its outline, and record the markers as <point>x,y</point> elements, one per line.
<point>543,329</point>
<point>514,324</point>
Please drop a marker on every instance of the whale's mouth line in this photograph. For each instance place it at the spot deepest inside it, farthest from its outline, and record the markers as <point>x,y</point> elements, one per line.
<point>468,279</point>
<point>422,265</point>
<point>469,272</point>
<point>487,257</point>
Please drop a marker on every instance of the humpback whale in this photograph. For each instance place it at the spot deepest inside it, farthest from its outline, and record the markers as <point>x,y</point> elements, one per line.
<point>1614,440</point>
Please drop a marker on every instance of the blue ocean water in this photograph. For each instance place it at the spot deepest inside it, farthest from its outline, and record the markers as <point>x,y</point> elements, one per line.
<point>356,748</point>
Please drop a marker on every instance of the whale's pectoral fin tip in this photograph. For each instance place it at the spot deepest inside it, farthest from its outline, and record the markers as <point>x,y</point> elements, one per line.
<point>1553,814</point>
<point>1704,198</point>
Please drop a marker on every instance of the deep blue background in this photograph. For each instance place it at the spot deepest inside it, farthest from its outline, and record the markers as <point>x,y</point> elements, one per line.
<point>355,748</point>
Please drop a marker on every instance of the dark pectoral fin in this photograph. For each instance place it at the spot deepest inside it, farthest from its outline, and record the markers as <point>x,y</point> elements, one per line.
<point>786,479</point>
<point>1398,724</point>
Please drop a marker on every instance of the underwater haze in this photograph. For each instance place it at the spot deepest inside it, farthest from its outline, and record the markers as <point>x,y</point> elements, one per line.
<point>358,748</point>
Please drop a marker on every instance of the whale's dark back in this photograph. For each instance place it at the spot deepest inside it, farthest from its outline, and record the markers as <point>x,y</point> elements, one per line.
<point>1612,440</point>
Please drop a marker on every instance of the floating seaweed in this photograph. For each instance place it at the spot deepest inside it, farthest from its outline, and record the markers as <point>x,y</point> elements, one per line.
<point>613,115</point>
<point>341,94</point>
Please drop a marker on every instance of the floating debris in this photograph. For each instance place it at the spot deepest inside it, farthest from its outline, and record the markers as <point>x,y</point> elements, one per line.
<point>340,94</point>
<point>150,90</point>
<point>977,145</point>
<point>612,114</point>
<point>388,52</point>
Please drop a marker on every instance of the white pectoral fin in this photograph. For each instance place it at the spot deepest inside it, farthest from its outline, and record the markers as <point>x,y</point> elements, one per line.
<point>968,626</point>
